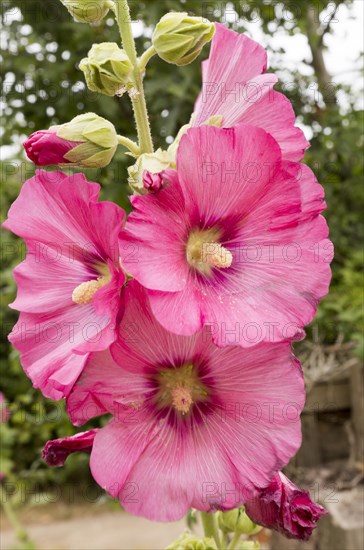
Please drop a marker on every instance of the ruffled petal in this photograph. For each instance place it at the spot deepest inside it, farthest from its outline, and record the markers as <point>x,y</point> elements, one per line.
<point>56,451</point>
<point>235,88</point>
<point>152,244</point>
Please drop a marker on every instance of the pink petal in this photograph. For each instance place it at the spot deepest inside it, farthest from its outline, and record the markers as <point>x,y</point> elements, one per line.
<point>56,452</point>
<point>235,88</point>
<point>151,246</point>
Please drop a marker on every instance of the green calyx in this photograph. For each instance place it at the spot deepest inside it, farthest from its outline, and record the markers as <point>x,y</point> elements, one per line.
<point>107,69</point>
<point>97,140</point>
<point>179,38</point>
<point>88,11</point>
<point>187,541</point>
<point>151,162</point>
<point>237,521</point>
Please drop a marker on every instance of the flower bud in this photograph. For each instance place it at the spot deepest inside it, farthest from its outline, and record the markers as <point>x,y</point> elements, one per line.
<point>227,520</point>
<point>147,173</point>
<point>88,11</point>
<point>179,38</point>
<point>107,69</point>
<point>237,521</point>
<point>248,545</point>
<point>187,541</point>
<point>88,141</point>
<point>215,120</point>
<point>152,182</point>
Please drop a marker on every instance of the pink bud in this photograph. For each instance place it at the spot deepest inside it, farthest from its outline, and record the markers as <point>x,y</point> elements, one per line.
<point>153,182</point>
<point>45,147</point>
<point>286,508</point>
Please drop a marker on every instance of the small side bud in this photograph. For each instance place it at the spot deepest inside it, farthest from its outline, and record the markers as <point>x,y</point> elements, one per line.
<point>146,175</point>
<point>248,545</point>
<point>227,520</point>
<point>88,11</point>
<point>237,521</point>
<point>215,120</point>
<point>179,38</point>
<point>107,69</point>
<point>187,541</point>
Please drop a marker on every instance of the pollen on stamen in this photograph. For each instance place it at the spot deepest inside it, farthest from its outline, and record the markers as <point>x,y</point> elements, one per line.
<point>216,255</point>
<point>181,398</point>
<point>84,293</point>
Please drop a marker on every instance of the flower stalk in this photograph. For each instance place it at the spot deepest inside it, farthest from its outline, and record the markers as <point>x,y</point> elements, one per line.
<point>129,144</point>
<point>138,97</point>
<point>234,541</point>
<point>210,527</point>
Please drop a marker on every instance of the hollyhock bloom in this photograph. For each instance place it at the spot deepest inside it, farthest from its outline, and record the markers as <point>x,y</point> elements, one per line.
<point>45,148</point>
<point>56,452</point>
<point>286,508</point>
<point>69,284</point>
<point>235,241</point>
<point>236,87</point>
<point>193,424</point>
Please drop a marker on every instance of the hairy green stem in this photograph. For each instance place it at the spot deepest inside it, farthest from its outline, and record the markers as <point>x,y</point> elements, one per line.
<point>210,527</point>
<point>137,98</point>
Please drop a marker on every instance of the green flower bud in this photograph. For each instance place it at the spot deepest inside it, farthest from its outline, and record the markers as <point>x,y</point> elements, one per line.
<point>152,163</point>
<point>96,137</point>
<point>237,521</point>
<point>179,38</point>
<point>88,11</point>
<point>215,120</point>
<point>228,520</point>
<point>187,541</point>
<point>107,69</point>
<point>248,545</point>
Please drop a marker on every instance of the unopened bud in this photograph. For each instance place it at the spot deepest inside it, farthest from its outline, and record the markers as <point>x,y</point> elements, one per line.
<point>248,545</point>
<point>237,521</point>
<point>187,541</point>
<point>179,38</point>
<point>147,173</point>
<point>88,141</point>
<point>107,69</point>
<point>88,11</point>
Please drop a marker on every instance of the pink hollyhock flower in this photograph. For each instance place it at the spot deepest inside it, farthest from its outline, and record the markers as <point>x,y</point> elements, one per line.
<point>236,87</point>
<point>45,148</point>
<point>286,508</point>
<point>235,241</point>
<point>69,284</point>
<point>193,424</point>
<point>57,451</point>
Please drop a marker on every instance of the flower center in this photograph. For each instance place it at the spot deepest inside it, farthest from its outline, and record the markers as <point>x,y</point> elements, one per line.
<point>85,292</point>
<point>203,251</point>
<point>180,388</point>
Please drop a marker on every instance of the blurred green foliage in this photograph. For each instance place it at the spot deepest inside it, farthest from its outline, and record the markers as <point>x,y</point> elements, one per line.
<point>43,86</point>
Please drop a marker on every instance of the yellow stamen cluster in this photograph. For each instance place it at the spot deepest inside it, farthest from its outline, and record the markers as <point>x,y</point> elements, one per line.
<point>203,251</point>
<point>84,293</point>
<point>182,398</point>
<point>180,388</point>
<point>216,255</point>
